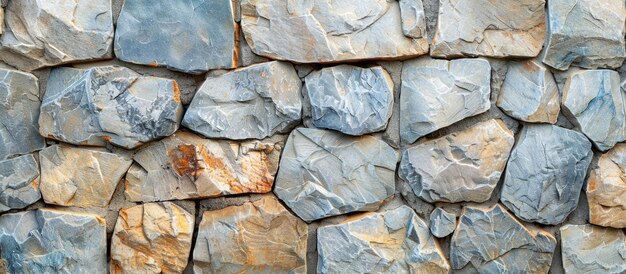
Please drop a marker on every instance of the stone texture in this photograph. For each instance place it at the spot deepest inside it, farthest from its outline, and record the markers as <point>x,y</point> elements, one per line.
<point>185,166</point>
<point>413,18</point>
<point>324,173</point>
<point>586,33</point>
<point>442,223</point>
<point>392,241</point>
<point>48,33</point>
<point>80,177</point>
<point>108,105</point>
<point>593,249</point>
<point>606,189</point>
<point>19,183</point>
<point>529,93</point>
<point>462,166</point>
<point>253,102</point>
<point>257,237</point>
<point>350,99</point>
<point>502,28</point>
<point>438,93</point>
<point>545,173</point>
<point>51,241</point>
<point>190,36</point>
<point>491,240</point>
<point>152,238</point>
<point>323,31</point>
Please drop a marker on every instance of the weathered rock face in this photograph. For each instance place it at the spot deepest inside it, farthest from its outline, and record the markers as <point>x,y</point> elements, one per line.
<point>491,240</point>
<point>19,183</point>
<point>185,166</point>
<point>594,102</point>
<point>152,238</point>
<point>323,31</point>
<point>545,173</point>
<point>324,173</point>
<point>593,249</point>
<point>606,189</point>
<point>413,18</point>
<point>489,28</point>
<point>48,33</point>
<point>462,166</point>
<point>258,237</point>
<point>50,241</point>
<point>588,33</point>
<point>190,36</point>
<point>442,223</point>
<point>529,93</point>
<point>80,177</point>
<point>349,99</point>
<point>108,104</point>
<point>438,93</point>
<point>253,102</point>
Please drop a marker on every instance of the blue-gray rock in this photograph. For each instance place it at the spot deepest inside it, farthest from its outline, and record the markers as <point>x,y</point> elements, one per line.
<point>413,18</point>
<point>253,102</point>
<point>324,173</point>
<point>108,105</point>
<point>545,173</point>
<point>442,223</point>
<point>349,99</point>
<point>593,249</point>
<point>191,36</point>
<point>19,182</point>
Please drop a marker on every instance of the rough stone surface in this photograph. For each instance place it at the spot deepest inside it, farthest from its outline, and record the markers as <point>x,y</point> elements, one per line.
<point>462,166</point>
<point>323,31</point>
<point>442,223</point>
<point>19,182</point>
<point>413,18</point>
<point>350,99</point>
<point>253,102</point>
<point>593,249</point>
<point>606,189</point>
<point>108,105</point>
<point>257,237</point>
<point>491,240</point>
<point>438,93</point>
<point>545,173</point>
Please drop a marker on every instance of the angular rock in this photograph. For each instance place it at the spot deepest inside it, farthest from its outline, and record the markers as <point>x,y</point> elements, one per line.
<point>19,183</point>
<point>545,173</point>
<point>152,238</point>
<point>442,223</point>
<point>462,166</point>
<point>529,93</point>
<point>505,28</point>
<point>585,33</point>
<point>253,102</point>
<point>606,189</point>
<point>324,31</point>
<point>438,93</point>
<point>258,237</point>
<point>392,241</point>
<point>594,102</point>
<point>349,99</point>
<point>413,18</point>
<point>185,166</point>
<point>323,173</point>
<point>190,36</point>
<point>48,33</point>
<point>108,105</point>
<point>491,240</point>
<point>52,241</point>
<point>80,177</point>
<point>593,249</point>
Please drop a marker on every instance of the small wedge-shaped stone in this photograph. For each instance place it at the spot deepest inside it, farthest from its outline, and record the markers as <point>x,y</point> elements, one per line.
<point>80,177</point>
<point>606,189</point>
<point>593,249</point>
<point>392,241</point>
<point>462,166</point>
<point>253,102</point>
<point>545,173</point>
<point>594,102</point>
<point>322,31</point>
<point>52,241</point>
<point>413,18</point>
<point>109,104</point>
<point>501,28</point>
<point>190,35</point>
<point>349,99</point>
<point>438,93</point>
<point>529,93</point>
<point>185,166</point>
<point>586,33</point>
<point>19,182</point>
<point>442,223</point>
<point>258,237</point>
<point>52,32</point>
<point>151,238</point>
<point>491,240</point>
<point>324,173</point>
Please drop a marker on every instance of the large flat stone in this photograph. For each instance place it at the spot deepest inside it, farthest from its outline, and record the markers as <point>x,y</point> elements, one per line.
<point>19,182</point>
<point>593,249</point>
<point>606,189</point>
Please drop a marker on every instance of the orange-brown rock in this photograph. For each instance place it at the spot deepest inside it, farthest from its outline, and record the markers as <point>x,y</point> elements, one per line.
<point>606,189</point>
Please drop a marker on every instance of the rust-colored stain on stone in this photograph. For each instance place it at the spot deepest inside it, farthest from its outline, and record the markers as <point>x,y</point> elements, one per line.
<point>184,160</point>
<point>106,138</point>
<point>154,64</point>
<point>176,91</point>
<point>35,183</point>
